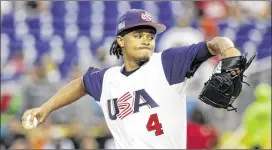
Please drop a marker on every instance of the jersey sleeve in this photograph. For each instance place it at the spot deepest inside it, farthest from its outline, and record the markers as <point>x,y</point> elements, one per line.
<point>181,62</point>
<point>93,81</point>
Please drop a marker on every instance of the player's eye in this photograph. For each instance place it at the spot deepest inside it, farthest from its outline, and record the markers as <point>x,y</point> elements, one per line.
<point>151,37</point>
<point>138,35</point>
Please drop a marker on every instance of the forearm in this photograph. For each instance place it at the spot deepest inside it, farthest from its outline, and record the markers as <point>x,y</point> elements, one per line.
<point>67,95</point>
<point>222,46</point>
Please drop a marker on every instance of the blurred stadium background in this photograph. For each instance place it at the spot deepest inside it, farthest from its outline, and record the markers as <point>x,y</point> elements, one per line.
<point>44,45</point>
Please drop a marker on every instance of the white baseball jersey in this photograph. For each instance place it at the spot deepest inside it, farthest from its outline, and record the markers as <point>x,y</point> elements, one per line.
<point>147,109</point>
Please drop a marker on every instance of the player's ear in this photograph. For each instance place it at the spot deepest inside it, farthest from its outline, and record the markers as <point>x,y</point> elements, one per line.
<point>120,41</point>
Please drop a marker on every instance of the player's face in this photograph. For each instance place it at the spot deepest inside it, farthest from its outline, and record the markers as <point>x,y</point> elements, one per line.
<point>139,45</point>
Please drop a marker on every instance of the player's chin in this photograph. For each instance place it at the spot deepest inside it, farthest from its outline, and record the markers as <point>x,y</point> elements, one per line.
<point>142,59</point>
<point>145,53</point>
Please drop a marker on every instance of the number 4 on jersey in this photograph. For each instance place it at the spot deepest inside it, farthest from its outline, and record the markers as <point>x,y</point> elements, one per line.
<point>154,124</point>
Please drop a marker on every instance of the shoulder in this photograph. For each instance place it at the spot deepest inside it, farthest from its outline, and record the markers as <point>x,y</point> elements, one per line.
<point>156,56</point>
<point>114,69</point>
<point>111,72</point>
<point>95,78</point>
<point>92,71</point>
<point>154,59</point>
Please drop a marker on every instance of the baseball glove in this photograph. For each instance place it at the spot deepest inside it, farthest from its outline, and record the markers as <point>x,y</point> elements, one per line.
<point>224,86</point>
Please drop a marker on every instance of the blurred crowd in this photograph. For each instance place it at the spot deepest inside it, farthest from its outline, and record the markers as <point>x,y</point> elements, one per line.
<point>28,81</point>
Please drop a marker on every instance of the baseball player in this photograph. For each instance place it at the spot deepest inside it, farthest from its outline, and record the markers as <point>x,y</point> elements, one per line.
<point>144,100</point>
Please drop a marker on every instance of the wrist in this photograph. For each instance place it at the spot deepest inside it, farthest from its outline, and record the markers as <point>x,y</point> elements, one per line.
<point>45,109</point>
<point>230,52</point>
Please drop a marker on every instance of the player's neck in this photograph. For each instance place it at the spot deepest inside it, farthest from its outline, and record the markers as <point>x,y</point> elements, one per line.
<point>131,65</point>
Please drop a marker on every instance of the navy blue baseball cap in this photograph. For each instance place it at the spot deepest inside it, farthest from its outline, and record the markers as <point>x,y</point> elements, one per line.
<point>138,17</point>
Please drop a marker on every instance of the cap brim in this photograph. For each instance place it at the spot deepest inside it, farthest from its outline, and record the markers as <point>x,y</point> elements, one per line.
<point>159,27</point>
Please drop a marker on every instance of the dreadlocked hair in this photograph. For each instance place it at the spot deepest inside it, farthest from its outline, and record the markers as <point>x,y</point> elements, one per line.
<point>116,49</point>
